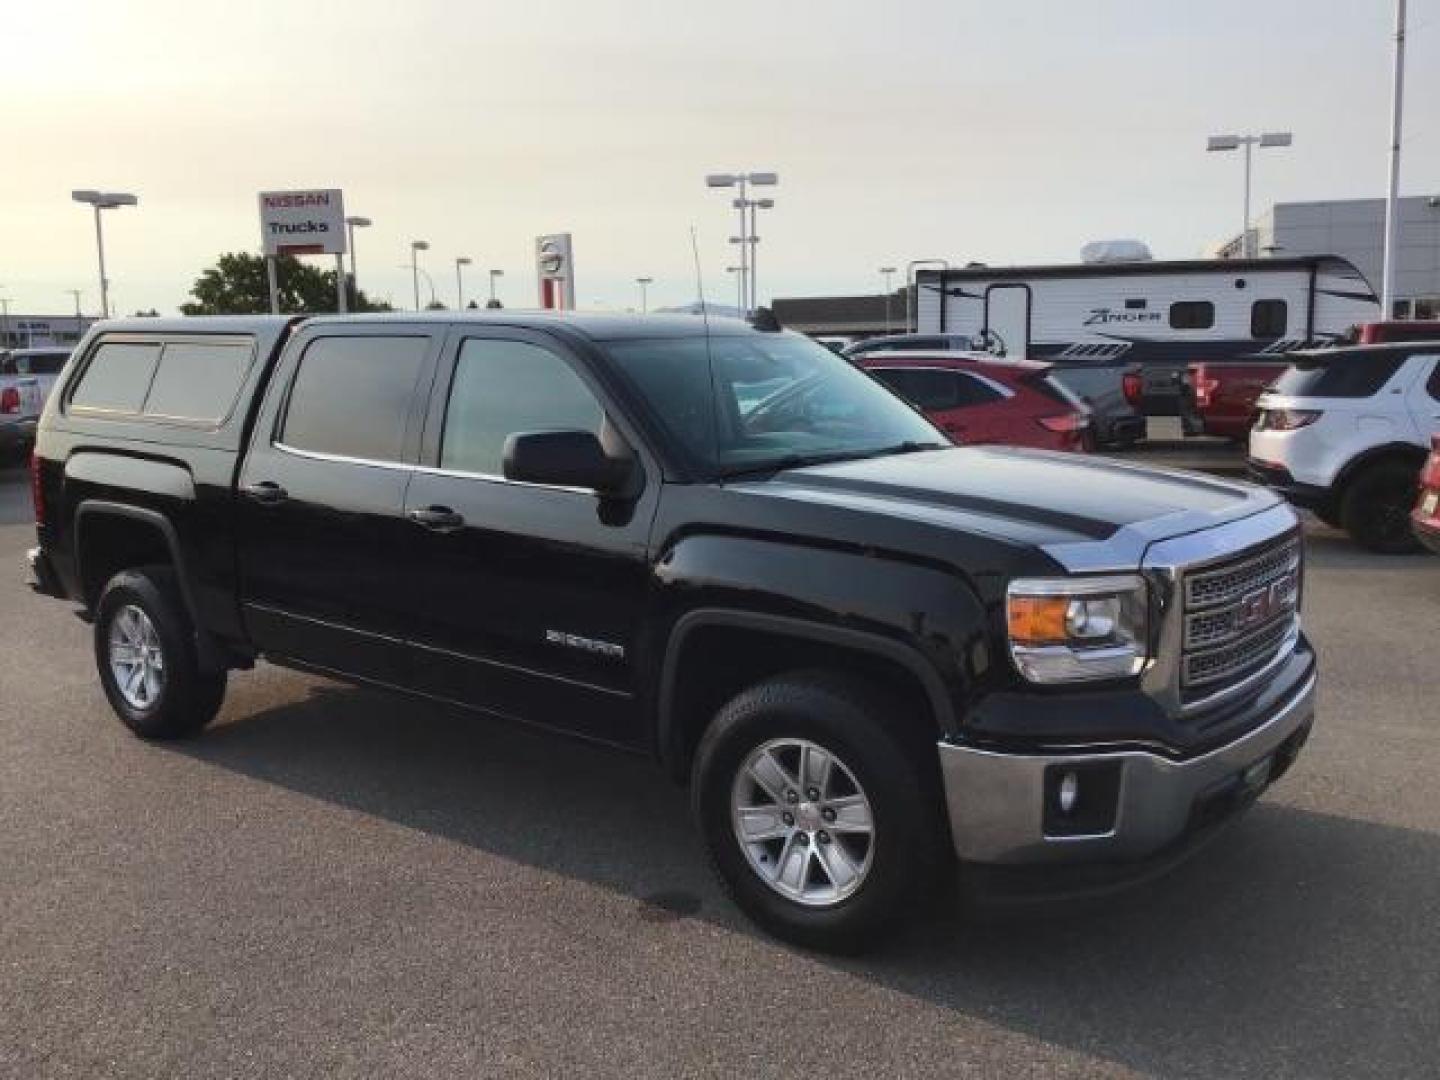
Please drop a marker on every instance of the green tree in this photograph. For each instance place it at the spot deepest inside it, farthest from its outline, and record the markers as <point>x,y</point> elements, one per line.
<point>237,285</point>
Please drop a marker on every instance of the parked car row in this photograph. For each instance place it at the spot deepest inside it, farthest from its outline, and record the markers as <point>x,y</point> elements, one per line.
<point>26,376</point>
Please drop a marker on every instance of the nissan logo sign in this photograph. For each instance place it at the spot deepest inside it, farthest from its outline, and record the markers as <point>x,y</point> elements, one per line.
<point>552,259</point>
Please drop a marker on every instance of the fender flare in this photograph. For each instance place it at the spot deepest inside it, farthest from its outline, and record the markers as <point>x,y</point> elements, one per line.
<point>210,654</point>
<point>667,721</point>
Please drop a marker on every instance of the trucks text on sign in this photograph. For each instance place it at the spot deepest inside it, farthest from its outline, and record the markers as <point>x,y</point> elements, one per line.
<point>302,222</point>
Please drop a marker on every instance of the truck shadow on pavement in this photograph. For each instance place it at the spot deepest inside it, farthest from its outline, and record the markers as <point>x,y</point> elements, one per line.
<point>1299,944</point>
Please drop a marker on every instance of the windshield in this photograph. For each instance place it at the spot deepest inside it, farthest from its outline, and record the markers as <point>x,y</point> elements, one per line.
<point>775,400</point>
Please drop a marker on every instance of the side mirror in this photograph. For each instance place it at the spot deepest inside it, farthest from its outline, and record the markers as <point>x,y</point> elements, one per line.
<point>567,459</point>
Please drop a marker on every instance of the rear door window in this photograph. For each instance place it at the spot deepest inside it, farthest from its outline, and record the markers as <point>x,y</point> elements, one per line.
<point>117,378</point>
<point>352,395</point>
<point>928,391</point>
<point>1339,376</point>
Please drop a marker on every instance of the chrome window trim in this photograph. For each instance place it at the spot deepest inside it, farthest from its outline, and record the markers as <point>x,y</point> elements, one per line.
<point>339,459</point>
<point>429,470</point>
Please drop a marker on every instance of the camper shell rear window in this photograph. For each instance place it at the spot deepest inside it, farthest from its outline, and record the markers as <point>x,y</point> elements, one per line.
<point>190,380</point>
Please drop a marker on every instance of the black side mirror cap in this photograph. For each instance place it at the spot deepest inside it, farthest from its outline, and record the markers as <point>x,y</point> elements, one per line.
<point>572,459</point>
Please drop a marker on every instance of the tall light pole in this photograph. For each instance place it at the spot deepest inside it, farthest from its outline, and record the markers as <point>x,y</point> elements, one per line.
<point>1249,142</point>
<point>1397,94</point>
<point>351,224</point>
<point>753,205</point>
<point>79,319</point>
<point>460,261</point>
<point>103,200</point>
<point>739,272</point>
<point>742,181</point>
<point>644,283</point>
<point>4,322</point>
<point>417,246</point>
<point>493,275</point>
<point>886,273</point>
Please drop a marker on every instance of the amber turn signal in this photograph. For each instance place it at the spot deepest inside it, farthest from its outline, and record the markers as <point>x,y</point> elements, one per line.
<point>1038,620</point>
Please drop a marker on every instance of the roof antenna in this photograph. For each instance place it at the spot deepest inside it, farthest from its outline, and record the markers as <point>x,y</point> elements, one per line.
<point>709,356</point>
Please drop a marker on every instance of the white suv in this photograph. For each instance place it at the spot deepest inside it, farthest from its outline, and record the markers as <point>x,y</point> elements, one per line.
<point>1344,433</point>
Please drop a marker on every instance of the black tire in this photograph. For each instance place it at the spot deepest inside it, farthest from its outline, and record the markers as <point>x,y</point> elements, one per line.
<point>1375,509</point>
<point>188,697</point>
<point>856,722</point>
<point>1329,515</point>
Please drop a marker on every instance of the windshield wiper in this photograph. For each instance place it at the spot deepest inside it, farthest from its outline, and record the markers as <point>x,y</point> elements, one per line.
<point>790,461</point>
<point>909,446</point>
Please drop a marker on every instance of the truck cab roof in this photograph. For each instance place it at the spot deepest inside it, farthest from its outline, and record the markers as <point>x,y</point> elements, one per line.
<point>599,326</point>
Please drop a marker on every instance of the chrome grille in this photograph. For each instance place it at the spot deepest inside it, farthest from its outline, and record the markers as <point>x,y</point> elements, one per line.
<point>1230,581</point>
<point>1239,616</point>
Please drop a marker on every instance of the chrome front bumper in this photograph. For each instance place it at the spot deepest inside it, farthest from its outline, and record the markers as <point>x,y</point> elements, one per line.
<point>996,800</point>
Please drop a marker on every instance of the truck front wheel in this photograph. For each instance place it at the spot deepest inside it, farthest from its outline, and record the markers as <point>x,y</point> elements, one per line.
<point>820,817</point>
<point>145,650</point>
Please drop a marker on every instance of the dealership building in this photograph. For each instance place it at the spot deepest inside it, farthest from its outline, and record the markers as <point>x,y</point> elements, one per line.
<point>31,331</point>
<point>1355,229</point>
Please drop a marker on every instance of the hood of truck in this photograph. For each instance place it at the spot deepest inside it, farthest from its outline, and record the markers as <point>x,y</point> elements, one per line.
<point>1085,511</point>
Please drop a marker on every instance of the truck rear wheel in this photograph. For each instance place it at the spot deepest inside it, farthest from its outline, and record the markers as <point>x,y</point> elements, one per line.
<point>1375,510</point>
<point>145,650</point>
<point>821,819</point>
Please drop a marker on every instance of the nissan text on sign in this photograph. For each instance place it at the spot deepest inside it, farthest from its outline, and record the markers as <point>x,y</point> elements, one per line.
<point>302,222</point>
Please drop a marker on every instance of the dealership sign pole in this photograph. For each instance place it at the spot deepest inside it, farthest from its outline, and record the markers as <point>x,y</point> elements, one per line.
<point>555,267</point>
<point>303,223</point>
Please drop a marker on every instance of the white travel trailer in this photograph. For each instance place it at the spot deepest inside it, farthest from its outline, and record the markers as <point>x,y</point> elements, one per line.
<point>1160,315</point>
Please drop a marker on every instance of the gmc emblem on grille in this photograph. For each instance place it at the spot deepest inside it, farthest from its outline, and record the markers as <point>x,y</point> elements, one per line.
<point>1264,604</point>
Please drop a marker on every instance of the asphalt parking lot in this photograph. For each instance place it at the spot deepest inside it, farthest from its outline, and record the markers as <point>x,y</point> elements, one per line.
<point>334,882</point>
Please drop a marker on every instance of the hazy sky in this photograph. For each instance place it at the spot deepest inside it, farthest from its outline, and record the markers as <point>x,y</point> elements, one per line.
<point>1005,131</point>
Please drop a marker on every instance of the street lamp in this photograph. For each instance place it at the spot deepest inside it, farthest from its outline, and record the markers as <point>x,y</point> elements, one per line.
<point>1234,142</point>
<point>79,319</point>
<point>886,272</point>
<point>417,246</point>
<point>753,205</point>
<point>103,200</point>
<point>746,239</point>
<point>493,275</point>
<point>739,272</point>
<point>644,282</point>
<point>351,224</point>
<point>463,260</point>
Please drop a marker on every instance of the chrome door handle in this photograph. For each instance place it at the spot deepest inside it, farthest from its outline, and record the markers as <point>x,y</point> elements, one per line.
<point>437,518</point>
<point>266,492</point>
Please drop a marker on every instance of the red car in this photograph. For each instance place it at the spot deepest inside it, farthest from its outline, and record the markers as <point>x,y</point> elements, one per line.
<point>1425,518</point>
<point>974,400</point>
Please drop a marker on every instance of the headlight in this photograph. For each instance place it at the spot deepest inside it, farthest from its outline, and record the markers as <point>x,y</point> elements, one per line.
<point>1075,629</point>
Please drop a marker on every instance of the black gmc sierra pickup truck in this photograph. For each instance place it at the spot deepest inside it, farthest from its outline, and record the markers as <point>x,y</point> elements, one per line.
<point>871,655</point>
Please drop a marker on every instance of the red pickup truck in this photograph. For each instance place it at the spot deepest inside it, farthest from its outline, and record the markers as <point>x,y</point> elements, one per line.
<point>1217,397</point>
